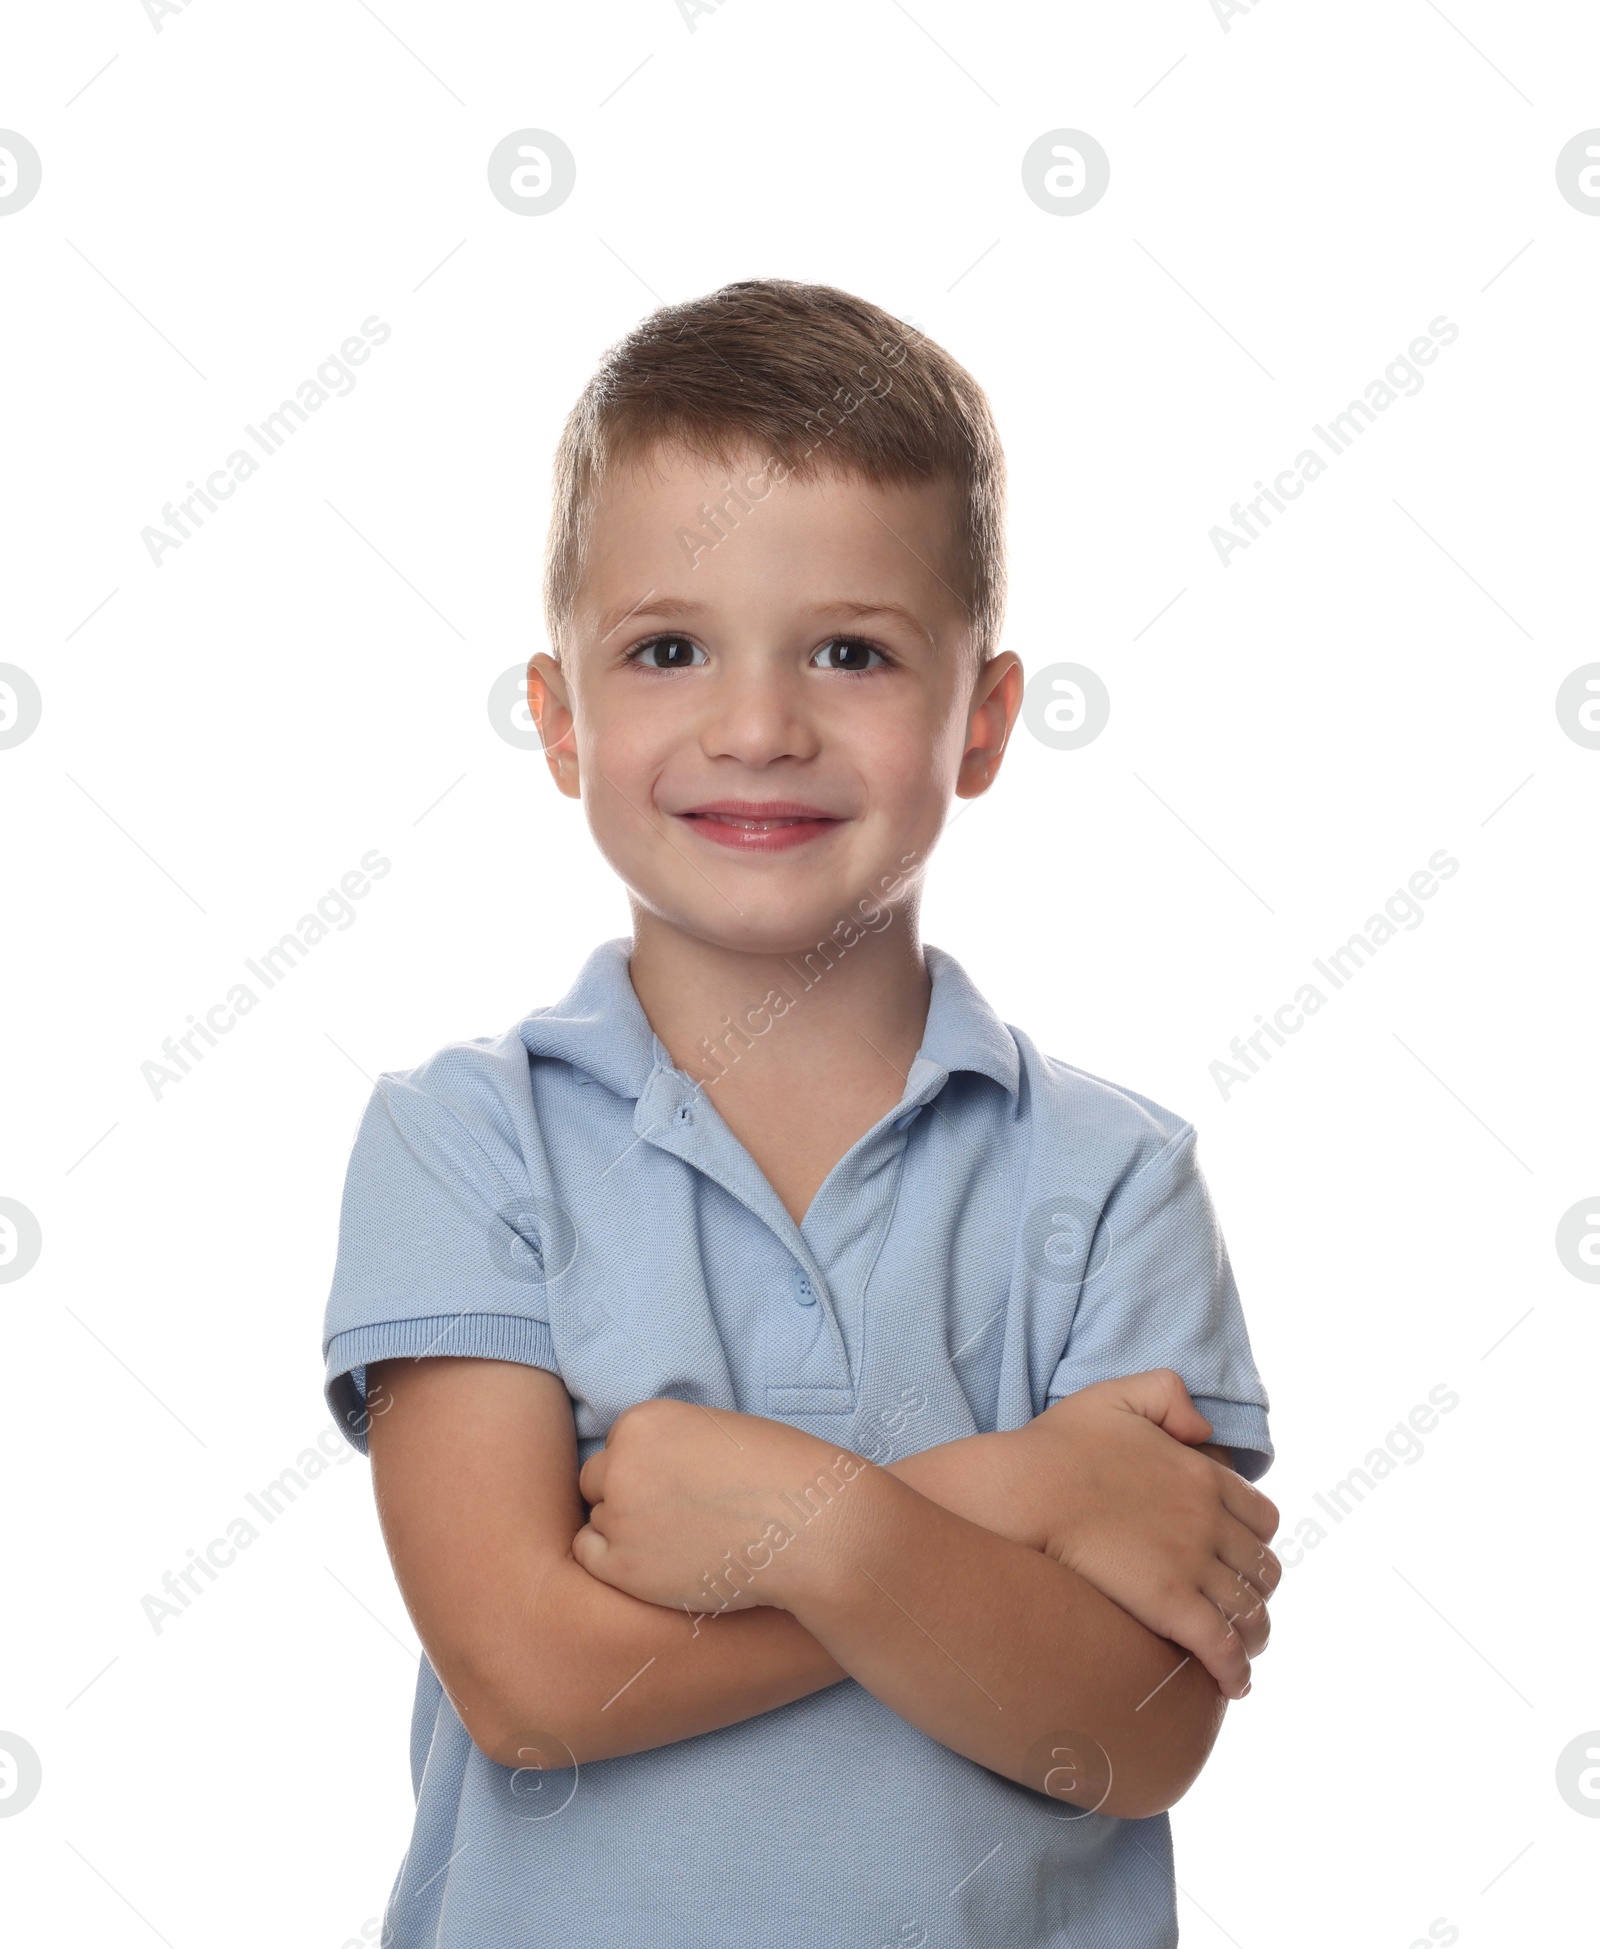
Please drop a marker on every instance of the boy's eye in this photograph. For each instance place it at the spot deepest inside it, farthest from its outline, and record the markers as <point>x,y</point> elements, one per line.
<point>847,653</point>
<point>668,653</point>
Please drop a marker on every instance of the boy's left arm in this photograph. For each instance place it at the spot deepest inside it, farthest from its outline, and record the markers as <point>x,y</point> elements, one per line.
<point>988,1645</point>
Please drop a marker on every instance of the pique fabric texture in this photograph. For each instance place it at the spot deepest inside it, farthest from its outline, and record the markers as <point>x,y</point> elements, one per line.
<point>1012,1231</point>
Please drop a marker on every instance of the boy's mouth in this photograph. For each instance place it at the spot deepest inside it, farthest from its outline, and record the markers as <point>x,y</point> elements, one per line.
<point>749,826</point>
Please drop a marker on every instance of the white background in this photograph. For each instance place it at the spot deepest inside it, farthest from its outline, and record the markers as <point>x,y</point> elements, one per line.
<point>306,679</point>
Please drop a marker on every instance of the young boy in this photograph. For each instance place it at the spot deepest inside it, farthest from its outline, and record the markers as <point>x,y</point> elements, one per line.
<point>812,1429</point>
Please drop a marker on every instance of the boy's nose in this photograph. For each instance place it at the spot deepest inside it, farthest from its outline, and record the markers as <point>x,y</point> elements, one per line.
<point>757,718</point>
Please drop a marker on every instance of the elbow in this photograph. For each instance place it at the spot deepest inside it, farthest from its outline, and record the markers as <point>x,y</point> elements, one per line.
<point>1156,1793</point>
<point>539,1770</point>
<point>1162,1768</point>
<point>539,1711</point>
<point>528,1751</point>
<point>510,1716</point>
<point>526,1732</point>
<point>527,1723</point>
<point>503,1726</point>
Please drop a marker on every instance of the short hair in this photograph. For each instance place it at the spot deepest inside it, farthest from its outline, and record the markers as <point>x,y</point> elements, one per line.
<point>807,376</point>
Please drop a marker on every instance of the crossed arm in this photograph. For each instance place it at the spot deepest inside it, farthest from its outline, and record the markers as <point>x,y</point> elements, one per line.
<point>985,1590</point>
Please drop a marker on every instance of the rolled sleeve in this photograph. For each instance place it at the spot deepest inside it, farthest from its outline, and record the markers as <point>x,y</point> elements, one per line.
<point>479,1336</point>
<point>444,1248</point>
<point>1161,1293</point>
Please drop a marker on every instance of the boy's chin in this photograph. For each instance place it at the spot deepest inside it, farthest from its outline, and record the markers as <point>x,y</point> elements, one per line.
<point>781,932</point>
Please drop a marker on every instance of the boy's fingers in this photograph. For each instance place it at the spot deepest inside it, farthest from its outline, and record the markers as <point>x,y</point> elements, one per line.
<point>1207,1636</point>
<point>588,1547</point>
<point>1243,1608</point>
<point>592,1477</point>
<point>1251,1560</point>
<point>1160,1396</point>
<point>1248,1505</point>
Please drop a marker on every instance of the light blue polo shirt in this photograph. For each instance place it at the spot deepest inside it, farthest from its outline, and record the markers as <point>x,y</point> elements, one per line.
<point>1012,1231</point>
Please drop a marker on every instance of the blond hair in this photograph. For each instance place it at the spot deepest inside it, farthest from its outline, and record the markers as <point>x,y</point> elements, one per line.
<point>812,379</point>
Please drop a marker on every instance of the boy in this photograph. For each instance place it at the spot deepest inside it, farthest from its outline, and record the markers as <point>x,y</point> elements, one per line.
<point>811,1428</point>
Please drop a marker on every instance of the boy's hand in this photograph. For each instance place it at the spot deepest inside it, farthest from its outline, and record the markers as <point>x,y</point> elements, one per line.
<point>703,1509</point>
<point>1112,1485</point>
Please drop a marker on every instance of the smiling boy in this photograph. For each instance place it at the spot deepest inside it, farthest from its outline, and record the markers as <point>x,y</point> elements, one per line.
<point>811,1428</point>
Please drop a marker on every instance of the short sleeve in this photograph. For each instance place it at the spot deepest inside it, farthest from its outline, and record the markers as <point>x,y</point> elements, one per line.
<point>443,1245</point>
<point>1160,1293</point>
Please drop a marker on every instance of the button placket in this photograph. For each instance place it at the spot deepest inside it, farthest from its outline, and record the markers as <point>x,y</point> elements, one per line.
<point>806,1334</point>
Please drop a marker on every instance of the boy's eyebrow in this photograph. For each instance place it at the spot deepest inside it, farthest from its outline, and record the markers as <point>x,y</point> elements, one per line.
<point>649,604</point>
<point>666,606</point>
<point>860,610</point>
<point>681,607</point>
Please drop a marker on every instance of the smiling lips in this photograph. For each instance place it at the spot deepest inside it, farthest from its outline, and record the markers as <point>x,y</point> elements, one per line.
<point>753,827</point>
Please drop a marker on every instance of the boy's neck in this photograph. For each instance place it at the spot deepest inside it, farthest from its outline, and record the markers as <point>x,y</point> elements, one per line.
<point>799,1054</point>
<point>772,1014</point>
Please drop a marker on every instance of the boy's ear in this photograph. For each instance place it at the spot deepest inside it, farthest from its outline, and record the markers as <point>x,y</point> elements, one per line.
<point>996,700</point>
<point>552,712</point>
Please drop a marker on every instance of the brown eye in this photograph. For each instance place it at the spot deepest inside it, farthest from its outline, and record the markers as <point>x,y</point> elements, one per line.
<point>668,653</point>
<point>846,653</point>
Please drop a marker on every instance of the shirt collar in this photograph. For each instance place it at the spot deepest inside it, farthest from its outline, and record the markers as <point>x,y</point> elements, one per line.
<point>963,1031</point>
<point>599,1026</point>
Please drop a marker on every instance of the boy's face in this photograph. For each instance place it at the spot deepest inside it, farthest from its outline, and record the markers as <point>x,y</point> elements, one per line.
<point>766,730</point>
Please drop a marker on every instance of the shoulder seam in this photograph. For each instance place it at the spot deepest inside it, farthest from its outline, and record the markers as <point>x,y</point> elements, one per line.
<point>444,1109</point>
<point>1183,1135</point>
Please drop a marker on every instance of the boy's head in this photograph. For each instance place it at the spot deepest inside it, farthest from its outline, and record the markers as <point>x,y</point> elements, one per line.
<point>802,373</point>
<point>774,585</point>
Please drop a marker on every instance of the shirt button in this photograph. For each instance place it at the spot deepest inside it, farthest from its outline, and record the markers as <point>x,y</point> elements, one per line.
<point>804,1291</point>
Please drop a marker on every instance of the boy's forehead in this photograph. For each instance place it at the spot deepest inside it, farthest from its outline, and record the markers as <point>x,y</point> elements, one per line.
<point>693,528</point>
<point>680,480</point>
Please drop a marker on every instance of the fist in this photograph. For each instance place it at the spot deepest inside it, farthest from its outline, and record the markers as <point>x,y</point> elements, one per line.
<point>700,1508</point>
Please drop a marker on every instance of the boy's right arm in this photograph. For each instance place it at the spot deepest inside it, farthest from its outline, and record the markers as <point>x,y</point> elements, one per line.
<point>475,1471</point>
